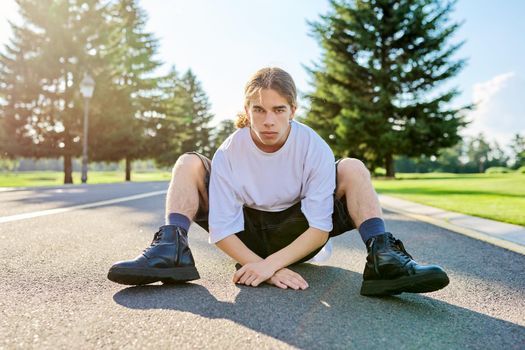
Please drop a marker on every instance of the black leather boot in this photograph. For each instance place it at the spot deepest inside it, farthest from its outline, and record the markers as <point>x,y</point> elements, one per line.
<point>391,270</point>
<point>167,259</point>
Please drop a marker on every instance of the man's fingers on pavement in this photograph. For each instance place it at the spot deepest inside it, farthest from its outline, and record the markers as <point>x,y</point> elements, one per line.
<point>291,283</point>
<point>280,284</point>
<point>290,275</point>
<point>256,282</point>
<point>302,282</point>
<point>296,283</point>
<point>237,275</point>
<point>299,279</point>
<point>250,280</point>
<point>299,283</point>
<point>245,277</point>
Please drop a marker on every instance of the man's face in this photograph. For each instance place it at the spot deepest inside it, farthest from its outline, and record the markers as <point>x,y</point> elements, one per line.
<point>270,116</point>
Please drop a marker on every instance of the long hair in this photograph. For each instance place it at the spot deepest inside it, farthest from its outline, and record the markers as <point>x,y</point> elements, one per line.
<point>268,78</point>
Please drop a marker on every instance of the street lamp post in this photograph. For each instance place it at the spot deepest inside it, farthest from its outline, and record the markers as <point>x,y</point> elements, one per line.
<point>87,86</point>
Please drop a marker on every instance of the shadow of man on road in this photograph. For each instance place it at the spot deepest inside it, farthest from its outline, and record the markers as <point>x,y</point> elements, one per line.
<point>332,314</point>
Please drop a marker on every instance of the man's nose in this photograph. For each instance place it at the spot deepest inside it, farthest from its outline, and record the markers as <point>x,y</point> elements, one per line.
<point>269,120</point>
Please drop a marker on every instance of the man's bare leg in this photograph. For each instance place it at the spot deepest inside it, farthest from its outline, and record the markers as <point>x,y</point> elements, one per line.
<point>353,181</point>
<point>389,268</point>
<point>187,188</point>
<point>168,258</point>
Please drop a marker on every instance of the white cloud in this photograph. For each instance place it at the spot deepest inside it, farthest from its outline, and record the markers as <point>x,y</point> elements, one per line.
<point>483,92</point>
<point>500,108</point>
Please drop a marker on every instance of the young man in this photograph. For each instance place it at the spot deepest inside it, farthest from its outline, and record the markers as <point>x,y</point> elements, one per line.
<point>276,196</point>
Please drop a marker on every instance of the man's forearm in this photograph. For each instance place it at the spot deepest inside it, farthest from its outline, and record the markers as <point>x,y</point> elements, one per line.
<point>303,245</point>
<point>237,250</point>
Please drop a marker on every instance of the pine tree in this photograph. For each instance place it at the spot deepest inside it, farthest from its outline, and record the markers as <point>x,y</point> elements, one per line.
<point>222,131</point>
<point>375,89</point>
<point>195,112</point>
<point>183,124</point>
<point>517,146</point>
<point>131,88</point>
<point>44,64</point>
<point>39,76</point>
<point>166,130</point>
<point>478,152</point>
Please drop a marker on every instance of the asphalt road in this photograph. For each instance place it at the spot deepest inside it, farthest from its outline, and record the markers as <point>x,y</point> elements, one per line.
<point>54,292</point>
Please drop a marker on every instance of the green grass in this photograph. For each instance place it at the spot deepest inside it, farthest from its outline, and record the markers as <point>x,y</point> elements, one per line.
<point>499,197</point>
<point>54,178</point>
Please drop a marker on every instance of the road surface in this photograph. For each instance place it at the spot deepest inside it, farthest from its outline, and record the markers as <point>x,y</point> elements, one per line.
<point>54,292</point>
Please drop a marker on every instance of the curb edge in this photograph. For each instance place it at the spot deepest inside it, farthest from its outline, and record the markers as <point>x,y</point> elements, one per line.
<point>501,243</point>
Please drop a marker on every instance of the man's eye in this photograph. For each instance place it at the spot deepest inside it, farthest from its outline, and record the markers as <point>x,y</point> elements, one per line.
<point>281,110</point>
<point>258,110</point>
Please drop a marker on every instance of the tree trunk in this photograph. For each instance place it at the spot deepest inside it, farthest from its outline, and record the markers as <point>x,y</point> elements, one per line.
<point>68,169</point>
<point>389,166</point>
<point>128,169</point>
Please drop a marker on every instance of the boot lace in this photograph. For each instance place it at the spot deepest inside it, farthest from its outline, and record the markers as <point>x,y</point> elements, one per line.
<point>156,238</point>
<point>399,249</point>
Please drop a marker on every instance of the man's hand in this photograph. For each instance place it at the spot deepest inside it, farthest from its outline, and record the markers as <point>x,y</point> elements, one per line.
<point>253,274</point>
<point>285,278</point>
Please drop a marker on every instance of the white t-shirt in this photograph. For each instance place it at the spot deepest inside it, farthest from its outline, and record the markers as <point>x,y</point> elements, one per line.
<point>303,169</point>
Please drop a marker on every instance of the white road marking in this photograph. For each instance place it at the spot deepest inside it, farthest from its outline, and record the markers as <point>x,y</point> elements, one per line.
<point>35,214</point>
<point>7,189</point>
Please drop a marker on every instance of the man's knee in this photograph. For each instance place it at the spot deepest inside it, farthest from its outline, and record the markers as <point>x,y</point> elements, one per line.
<point>189,162</point>
<point>351,168</point>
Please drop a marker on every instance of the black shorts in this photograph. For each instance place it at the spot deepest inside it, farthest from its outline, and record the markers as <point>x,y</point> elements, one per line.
<point>267,232</point>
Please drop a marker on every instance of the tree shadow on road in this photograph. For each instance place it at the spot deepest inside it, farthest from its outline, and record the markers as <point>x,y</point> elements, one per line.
<point>332,314</point>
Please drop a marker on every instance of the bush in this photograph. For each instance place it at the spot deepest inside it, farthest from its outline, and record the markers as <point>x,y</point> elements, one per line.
<point>497,170</point>
<point>521,170</point>
<point>379,172</point>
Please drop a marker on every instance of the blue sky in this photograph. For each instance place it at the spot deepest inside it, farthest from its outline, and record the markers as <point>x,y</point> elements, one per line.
<point>225,41</point>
